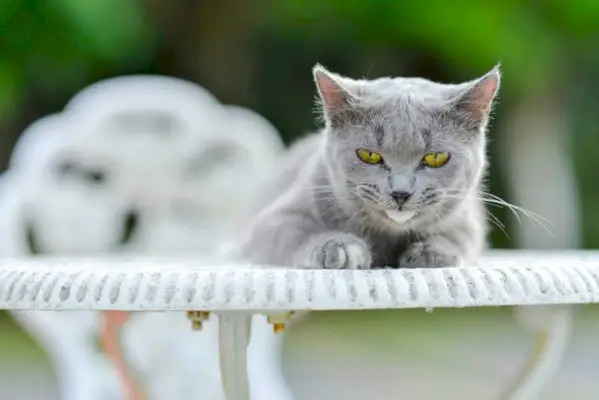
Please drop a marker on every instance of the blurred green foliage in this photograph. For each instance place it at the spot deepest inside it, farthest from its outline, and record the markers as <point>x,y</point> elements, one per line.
<point>528,37</point>
<point>57,46</point>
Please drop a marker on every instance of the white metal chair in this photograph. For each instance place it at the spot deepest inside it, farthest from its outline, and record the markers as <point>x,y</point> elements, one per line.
<point>182,217</point>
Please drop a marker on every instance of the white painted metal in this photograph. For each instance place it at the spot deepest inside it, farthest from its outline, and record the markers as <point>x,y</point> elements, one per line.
<point>234,291</point>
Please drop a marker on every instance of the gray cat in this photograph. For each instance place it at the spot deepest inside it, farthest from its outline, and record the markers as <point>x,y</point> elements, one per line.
<point>392,180</point>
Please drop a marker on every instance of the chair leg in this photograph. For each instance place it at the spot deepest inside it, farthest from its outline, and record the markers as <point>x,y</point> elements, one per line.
<point>551,344</point>
<point>234,332</point>
<point>112,324</point>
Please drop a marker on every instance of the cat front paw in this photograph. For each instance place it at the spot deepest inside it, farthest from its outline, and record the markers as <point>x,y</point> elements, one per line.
<point>342,252</point>
<point>422,255</point>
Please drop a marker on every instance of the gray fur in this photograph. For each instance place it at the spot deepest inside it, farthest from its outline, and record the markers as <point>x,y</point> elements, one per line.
<point>329,209</point>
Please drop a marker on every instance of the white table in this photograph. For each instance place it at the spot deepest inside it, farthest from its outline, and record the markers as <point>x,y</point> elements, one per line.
<point>237,291</point>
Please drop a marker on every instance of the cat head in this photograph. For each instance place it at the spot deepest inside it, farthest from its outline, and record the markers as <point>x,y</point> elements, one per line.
<point>403,146</point>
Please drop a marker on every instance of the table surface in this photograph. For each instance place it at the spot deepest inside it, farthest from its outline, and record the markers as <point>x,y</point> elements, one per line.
<point>184,283</point>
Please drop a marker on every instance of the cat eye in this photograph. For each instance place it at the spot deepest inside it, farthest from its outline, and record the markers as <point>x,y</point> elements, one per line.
<point>435,160</point>
<point>369,157</point>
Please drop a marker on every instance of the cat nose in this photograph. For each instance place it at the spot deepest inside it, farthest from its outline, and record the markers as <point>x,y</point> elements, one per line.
<point>400,196</point>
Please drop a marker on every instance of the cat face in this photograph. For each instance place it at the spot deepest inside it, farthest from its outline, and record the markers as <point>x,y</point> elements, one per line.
<point>405,146</point>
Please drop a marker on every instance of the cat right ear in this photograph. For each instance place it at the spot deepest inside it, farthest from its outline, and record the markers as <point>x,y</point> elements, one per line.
<point>334,96</point>
<point>474,104</point>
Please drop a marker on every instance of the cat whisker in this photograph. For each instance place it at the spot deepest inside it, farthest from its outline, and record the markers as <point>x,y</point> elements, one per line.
<point>323,190</point>
<point>373,200</point>
<point>319,188</point>
<point>322,187</point>
<point>367,194</point>
<point>529,213</point>
<point>334,198</point>
<point>320,195</point>
<point>501,200</point>
<point>496,201</point>
<point>495,221</point>
<point>436,215</point>
<point>492,198</point>
<point>326,195</point>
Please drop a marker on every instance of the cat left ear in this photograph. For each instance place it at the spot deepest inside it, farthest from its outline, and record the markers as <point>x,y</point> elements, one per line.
<point>476,102</point>
<point>335,97</point>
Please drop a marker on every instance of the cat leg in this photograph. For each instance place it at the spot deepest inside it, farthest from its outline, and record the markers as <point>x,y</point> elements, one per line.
<point>298,240</point>
<point>334,250</point>
<point>432,252</point>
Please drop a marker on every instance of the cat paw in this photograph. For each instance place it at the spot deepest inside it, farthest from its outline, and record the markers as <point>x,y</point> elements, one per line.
<point>343,252</point>
<point>421,255</point>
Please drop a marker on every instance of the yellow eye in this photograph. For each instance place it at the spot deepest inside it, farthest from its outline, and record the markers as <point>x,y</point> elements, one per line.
<point>436,160</point>
<point>369,157</point>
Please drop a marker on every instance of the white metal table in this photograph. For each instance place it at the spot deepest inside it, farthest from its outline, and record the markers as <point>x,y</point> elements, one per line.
<point>235,291</point>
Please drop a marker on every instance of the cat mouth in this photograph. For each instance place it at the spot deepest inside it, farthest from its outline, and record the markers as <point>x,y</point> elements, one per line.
<point>400,216</point>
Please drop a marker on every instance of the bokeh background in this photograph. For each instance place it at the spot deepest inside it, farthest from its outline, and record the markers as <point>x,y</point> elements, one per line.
<point>258,54</point>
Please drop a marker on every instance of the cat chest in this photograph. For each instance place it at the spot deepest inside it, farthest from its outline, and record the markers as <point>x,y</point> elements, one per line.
<point>386,250</point>
<point>386,247</point>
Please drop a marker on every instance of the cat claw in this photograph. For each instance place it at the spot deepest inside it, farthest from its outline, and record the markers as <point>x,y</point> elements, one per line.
<point>197,319</point>
<point>279,321</point>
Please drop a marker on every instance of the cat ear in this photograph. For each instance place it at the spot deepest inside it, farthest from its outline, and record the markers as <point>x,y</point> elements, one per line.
<point>476,101</point>
<point>334,94</point>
